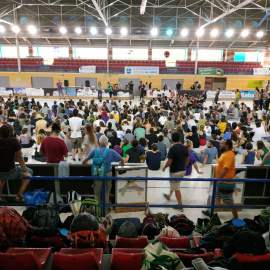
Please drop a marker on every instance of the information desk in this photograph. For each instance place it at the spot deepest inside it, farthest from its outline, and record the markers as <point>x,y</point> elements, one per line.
<point>256,193</point>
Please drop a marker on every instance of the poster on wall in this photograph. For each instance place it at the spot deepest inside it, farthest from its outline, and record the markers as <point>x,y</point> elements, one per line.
<point>247,94</point>
<point>131,191</point>
<point>257,83</point>
<point>142,70</point>
<point>70,92</point>
<point>87,69</point>
<point>4,92</point>
<point>155,93</point>
<point>261,71</point>
<point>29,91</point>
<point>211,71</point>
<point>223,94</point>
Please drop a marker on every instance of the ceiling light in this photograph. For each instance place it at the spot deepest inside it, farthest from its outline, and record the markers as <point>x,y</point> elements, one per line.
<point>108,31</point>
<point>214,33</point>
<point>229,33</point>
<point>184,32</point>
<point>93,30</point>
<point>124,31</point>
<point>78,30</point>
<point>260,34</point>
<point>15,29</point>
<point>154,32</point>
<point>32,29</point>
<point>63,30</point>
<point>199,32</point>
<point>2,29</point>
<point>245,33</point>
<point>169,32</point>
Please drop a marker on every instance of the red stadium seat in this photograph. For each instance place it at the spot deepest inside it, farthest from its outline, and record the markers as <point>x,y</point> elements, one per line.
<point>140,242</point>
<point>251,262</point>
<point>181,242</point>
<point>196,240</point>
<point>24,258</point>
<point>123,259</point>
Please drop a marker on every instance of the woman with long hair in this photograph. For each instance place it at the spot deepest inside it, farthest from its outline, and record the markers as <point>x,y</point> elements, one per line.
<point>135,154</point>
<point>89,141</point>
<point>193,136</point>
<point>202,135</point>
<point>261,152</point>
<point>235,141</point>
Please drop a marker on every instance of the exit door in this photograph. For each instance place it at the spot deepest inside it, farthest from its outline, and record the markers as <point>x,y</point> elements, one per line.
<point>212,83</point>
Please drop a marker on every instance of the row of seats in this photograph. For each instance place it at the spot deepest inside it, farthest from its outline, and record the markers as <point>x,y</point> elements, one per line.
<point>23,60</point>
<point>220,64</point>
<point>226,69</point>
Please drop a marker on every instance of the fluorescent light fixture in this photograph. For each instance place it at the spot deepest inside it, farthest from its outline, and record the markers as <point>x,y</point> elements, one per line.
<point>124,31</point>
<point>143,7</point>
<point>214,33</point>
<point>15,29</point>
<point>229,33</point>
<point>108,31</point>
<point>93,30</point>
<point>169,32</point>
<point>78,30</point>
<point>245,33</point>
<point>2,29</point>
<point>199,32</point>
<point>154,32</point>
<point>260,34</point>
<point>184,32</point>
<point>63,30</point>
<point>32,29</point>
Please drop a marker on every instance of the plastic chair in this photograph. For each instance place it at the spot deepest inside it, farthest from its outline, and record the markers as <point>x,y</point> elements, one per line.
<point>24,258</point>
<point>251,262</point>
<point>140,242</point>
<point>129,258</point>
<point>196,240</point>
<point>181,242</point>
<point>82,261</point>
<point>218,252</point>
<point>187,258</point>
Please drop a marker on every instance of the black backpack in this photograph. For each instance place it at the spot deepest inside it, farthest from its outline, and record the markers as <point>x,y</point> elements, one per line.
<point>47,216</point>
<point>244,241</point>
<point>182,224</point>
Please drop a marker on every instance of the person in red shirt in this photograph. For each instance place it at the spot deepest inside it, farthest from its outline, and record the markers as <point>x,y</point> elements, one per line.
<point>54,148</point>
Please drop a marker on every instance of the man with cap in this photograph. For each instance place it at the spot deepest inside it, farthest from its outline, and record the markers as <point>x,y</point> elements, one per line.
<point>40,124</point>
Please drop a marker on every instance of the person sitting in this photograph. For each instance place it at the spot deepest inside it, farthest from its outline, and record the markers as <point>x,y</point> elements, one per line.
<point>262,152</point>
<point>135,154</point>
<point>257,132</point>
<point>54,148</point>
<point>17,128</point>
<point>125,147</point>
<point>153,158</point>
<point>222,125</point>
<point>207,155</point>
<point>192,161</point>
<point>249,155</point>
<point>152,138</point>
<point>162,147</point>
<point>129,136</point>
<point>114,140</point>
<point>25,139</point>
<point>202,136</point>
<point>139,132</point>
<point>227,134</point>
<point>193,136</point>
<point>98,133</point>
<point>108,132</point>
<point>143,144</point>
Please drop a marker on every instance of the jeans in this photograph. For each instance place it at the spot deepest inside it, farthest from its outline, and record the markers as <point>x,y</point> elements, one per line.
<point>208,138</point>
<point>199,157</point>
<point>240,150</point>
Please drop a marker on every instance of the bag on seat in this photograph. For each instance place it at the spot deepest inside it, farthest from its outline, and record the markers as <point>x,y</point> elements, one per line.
<point>182,224</point>
<point>150,227</point>
<point>90,206</point>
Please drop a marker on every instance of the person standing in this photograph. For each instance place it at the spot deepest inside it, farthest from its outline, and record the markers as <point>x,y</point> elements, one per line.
<point>178,86</point>
<point>110,89</point>
<point>131,87</point>
<point>178,160</point>
<point>217,95</point>
<point>52,147</point>
<point>60,88</point>
<point>9,147</point>
<point>225,169</point>
<point>76,124</point>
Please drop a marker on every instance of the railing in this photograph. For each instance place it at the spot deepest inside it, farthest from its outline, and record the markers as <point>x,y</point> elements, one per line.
<point>212,206</point>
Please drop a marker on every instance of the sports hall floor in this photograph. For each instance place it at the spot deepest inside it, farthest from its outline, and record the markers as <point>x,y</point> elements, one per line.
<point>192,192</point>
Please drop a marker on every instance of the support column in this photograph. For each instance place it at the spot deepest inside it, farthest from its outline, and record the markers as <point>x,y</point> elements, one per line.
<point>266,62</point>
<point>196,59</point>
<point>108,56</point>
<point>30,51</point>
<point>189,50</point>
<point>224,55</point>
<point>230,55</point>
<point>18,54</point>
<point>70,52</point>
<point>150,54</point>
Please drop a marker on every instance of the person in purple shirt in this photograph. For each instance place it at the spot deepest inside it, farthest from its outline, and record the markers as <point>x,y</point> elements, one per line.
<point>192,161</point>
<point>60,88</point>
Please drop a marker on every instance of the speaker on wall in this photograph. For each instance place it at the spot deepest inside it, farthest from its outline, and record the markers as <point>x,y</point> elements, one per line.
<point>87,83</point>
<point>66,83</point>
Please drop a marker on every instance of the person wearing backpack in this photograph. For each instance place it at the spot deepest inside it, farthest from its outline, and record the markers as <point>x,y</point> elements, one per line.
<point>102,166</point>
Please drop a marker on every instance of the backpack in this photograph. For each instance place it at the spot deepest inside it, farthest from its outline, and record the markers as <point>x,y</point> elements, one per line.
<point>150,227</point>
<point>47,215</point>
<point>13,228</point>
<point>73,196</point>
<point>99,163</point>
<point>182,224</point>
<point>128,230</point>
<point>108,224</point>
<point>55,198</point>
<point>244,241</point>
<point>90,206</point>
<point>87,232</point>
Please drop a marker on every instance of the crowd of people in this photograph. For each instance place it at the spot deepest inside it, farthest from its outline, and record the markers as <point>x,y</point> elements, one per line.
<point>160,129</point>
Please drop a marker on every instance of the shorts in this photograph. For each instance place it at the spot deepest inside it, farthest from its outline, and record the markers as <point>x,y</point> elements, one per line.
<point>131,92</point>
<point>14,174</point>
<point>175,185</point>
<point>76,143</point>
<point>225,195</point>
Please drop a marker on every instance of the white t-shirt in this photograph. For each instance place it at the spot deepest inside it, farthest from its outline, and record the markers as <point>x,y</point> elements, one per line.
<point>197,116</point>
<point>259,114</point>
<point>258,133</point>
<point>75,124</point>
<point>191,123</point>
<point>162,120</point>
<point>208,131</point>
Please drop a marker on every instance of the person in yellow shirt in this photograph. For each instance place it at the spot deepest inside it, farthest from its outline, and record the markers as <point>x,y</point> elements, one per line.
<point>222,125</point>
<point>225,169</point>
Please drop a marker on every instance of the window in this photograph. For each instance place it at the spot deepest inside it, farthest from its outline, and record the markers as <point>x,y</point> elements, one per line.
<point>249,56</point>
<point>89,53</point>
<point>49,53</point>
<point>207,55</point>
<point>11,52</point>
<point>175,54</point>
<point>130,54</point>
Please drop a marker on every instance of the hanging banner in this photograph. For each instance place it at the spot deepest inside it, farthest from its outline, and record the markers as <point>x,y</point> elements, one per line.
<point>211,71</point>
<point>261,71</point>
<point>223,94</point>
<point>155,93</point>
<point>142,70</point>
<point>5,92</point>
<point>87,69</point>
<point>247,94</point>
<point>88,92</point>
<point>257,83</point>
<point>71,92</point>
<point>29,91</point>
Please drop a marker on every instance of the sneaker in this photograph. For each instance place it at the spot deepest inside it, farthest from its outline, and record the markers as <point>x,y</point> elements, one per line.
<point>166,196</point>
<point>199,226</point>
<point>179,208</point>
<point>206,213</point>
<point>74,159</point>
<point>79,159</point>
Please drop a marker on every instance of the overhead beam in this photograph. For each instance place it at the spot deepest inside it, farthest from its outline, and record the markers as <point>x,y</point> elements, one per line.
<point>231,44</point>
<point>211,43</point>
<point>69,41</point>
<point>7,40</point>
<point>246,2</point>
<point>26,40</point>
<point>100,13</point>
<point>48,41</point>
<point>253,44</point>
<point>89,41</point>
<point>190,43</point>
